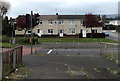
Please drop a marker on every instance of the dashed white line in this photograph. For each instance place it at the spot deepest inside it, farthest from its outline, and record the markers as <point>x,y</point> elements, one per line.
<point>49,51</point>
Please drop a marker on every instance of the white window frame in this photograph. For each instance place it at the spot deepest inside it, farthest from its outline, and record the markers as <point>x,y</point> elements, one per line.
<point>50,22</point>
<point>29,31</point>
<point>51,31</point>
<point>72,22</point>
<point>61,22</point>
<point>20,29</point>
<point>72,31</point>
<point>40,21</point>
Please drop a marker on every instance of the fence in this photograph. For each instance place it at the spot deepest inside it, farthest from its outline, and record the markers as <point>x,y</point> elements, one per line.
<point>110,51</point>
<point>11,58</point>
<point>3,49</point>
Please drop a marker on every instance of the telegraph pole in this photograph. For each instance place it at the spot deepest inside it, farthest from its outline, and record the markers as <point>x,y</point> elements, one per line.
<point>31,32</point>
<point>1,48</point>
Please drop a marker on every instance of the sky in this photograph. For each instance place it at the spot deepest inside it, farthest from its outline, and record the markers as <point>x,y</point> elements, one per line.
<point>62,7</point>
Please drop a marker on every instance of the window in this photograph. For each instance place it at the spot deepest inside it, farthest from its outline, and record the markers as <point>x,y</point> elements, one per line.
<point>38,30</point>
<point>72,31</point>
<point>19,29</point>
<point>72,22</point>
<point>61,22</point>
<point>50,31</point>
<point>50,22</point>
<point>40,22</point>
<point>94,31</point>
<point>81,22</point>
<point>29,31</point>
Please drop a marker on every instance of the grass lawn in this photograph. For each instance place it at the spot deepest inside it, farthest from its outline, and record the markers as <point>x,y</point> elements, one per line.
<point>76,40</point>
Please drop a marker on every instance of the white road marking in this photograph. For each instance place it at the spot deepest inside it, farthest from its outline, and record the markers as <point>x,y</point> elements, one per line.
<point>49,51</point>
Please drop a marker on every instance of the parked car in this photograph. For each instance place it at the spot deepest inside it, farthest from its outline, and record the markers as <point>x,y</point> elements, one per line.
<point>106,33</point>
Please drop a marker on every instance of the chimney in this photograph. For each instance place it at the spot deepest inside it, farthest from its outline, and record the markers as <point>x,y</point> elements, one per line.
<point>56,13</point>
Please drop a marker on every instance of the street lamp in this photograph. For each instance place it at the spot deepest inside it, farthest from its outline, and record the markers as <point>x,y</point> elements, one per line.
<point>31,18</point>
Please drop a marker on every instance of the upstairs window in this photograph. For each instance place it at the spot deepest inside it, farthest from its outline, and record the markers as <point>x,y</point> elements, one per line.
<point>61,21</point>
<point>50,22</point>
<point>40,22</point>
<point>72,22</point>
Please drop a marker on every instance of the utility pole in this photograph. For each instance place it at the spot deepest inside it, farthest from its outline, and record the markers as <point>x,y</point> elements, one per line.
<point>12,24</point>
<point>31,32</point>
<point>1,48</point>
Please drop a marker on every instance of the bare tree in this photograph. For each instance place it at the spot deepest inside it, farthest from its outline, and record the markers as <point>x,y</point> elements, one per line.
<point>4,7</point>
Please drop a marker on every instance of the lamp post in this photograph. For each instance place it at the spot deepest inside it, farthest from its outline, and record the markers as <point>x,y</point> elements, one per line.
<point>31,31</point>
<point>0,49</point>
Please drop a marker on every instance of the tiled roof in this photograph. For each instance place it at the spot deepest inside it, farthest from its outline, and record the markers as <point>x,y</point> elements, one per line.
<point>48,17</point>
<point>70,16</point>
<point>53,17</point>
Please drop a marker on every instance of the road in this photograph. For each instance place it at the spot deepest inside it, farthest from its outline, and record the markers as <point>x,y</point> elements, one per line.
<point>68,63</point>
<point>69,66</point>
<point>113,35</point>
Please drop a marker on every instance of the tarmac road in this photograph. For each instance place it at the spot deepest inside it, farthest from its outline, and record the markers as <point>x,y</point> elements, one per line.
<point>68,63</point>
<point>113,35</point>
<point>68,66</point>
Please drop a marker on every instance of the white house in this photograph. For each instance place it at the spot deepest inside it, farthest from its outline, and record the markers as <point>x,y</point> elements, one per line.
<point>61,26</point>
<point>115,22</point>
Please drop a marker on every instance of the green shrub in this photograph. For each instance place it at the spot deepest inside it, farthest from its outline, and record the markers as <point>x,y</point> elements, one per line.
<point>118,28</point>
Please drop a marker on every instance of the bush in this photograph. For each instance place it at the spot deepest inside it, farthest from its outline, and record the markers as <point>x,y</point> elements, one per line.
<point>25,40</point>
<point>118,28</point>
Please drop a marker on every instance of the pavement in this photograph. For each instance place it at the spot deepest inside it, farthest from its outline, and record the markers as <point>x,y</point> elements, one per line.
<point>27,49</point>
<point>68,63</point>
<point>113,35</point>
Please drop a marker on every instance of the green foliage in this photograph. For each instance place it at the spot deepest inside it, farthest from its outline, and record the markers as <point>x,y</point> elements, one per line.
<point>6,30</point>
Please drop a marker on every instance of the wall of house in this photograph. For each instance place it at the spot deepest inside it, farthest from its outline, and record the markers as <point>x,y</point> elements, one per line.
<point>22,32</point>
<point>56,26</point>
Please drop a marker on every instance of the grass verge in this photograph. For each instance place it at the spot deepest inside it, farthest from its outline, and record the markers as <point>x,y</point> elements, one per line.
<point>76,40</point>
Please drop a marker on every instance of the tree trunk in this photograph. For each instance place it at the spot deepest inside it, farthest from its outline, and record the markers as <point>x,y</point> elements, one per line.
<point>25,33</point>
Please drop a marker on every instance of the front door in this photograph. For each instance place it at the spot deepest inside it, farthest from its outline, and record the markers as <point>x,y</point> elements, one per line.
<point>40,32</point>
<point>83,33</point>
<point>61,33</point>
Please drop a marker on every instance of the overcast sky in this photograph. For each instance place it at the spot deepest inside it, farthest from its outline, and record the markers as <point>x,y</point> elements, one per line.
<point>74,7</point>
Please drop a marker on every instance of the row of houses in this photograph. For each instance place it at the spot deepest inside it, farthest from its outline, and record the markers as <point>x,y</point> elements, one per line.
<point>60,26</point>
